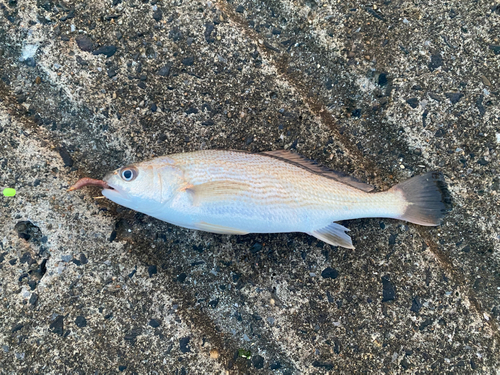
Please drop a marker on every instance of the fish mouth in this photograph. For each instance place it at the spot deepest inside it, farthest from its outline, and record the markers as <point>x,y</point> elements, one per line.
<point>114,194</point>
<point>110,187</point>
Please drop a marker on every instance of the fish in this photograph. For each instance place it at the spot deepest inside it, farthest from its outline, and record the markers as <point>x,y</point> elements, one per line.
<point>238,192</point>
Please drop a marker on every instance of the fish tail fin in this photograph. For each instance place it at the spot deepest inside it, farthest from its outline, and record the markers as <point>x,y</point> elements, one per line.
<point>427,198</point>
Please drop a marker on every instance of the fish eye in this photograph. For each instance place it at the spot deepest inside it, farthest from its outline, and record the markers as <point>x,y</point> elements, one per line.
<point>128,173</point>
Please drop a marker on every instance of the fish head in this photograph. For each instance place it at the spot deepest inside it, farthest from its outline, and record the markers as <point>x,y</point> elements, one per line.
<point>143,187</point>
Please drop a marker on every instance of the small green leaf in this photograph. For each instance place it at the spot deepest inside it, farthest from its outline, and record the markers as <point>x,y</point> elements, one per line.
<point>244,353</point>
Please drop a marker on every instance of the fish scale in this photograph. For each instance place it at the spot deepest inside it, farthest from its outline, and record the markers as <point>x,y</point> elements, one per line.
<point>267,176</point>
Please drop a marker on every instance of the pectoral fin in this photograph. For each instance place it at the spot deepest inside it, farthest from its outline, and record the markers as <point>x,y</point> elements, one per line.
<point>335,235</point>
<point>215,191</point>
<point>220,229</point>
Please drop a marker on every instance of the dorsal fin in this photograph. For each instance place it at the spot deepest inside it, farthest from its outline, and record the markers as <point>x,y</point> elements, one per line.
<point>313,167</point>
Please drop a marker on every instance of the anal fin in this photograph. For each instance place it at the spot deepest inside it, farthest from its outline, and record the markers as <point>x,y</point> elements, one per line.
<point>220,229</point>
<point>334,234</point>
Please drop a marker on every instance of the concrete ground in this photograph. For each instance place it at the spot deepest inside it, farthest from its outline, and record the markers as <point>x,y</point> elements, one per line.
<point>382,90</point>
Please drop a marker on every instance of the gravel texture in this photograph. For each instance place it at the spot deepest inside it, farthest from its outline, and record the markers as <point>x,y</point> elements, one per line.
<point>383,91</point>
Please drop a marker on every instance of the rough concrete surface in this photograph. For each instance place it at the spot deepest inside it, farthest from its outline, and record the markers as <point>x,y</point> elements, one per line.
<point>382,90</point>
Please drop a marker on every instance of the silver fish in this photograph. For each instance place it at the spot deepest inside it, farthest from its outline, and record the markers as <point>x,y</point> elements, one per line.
<point>233,192</point>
